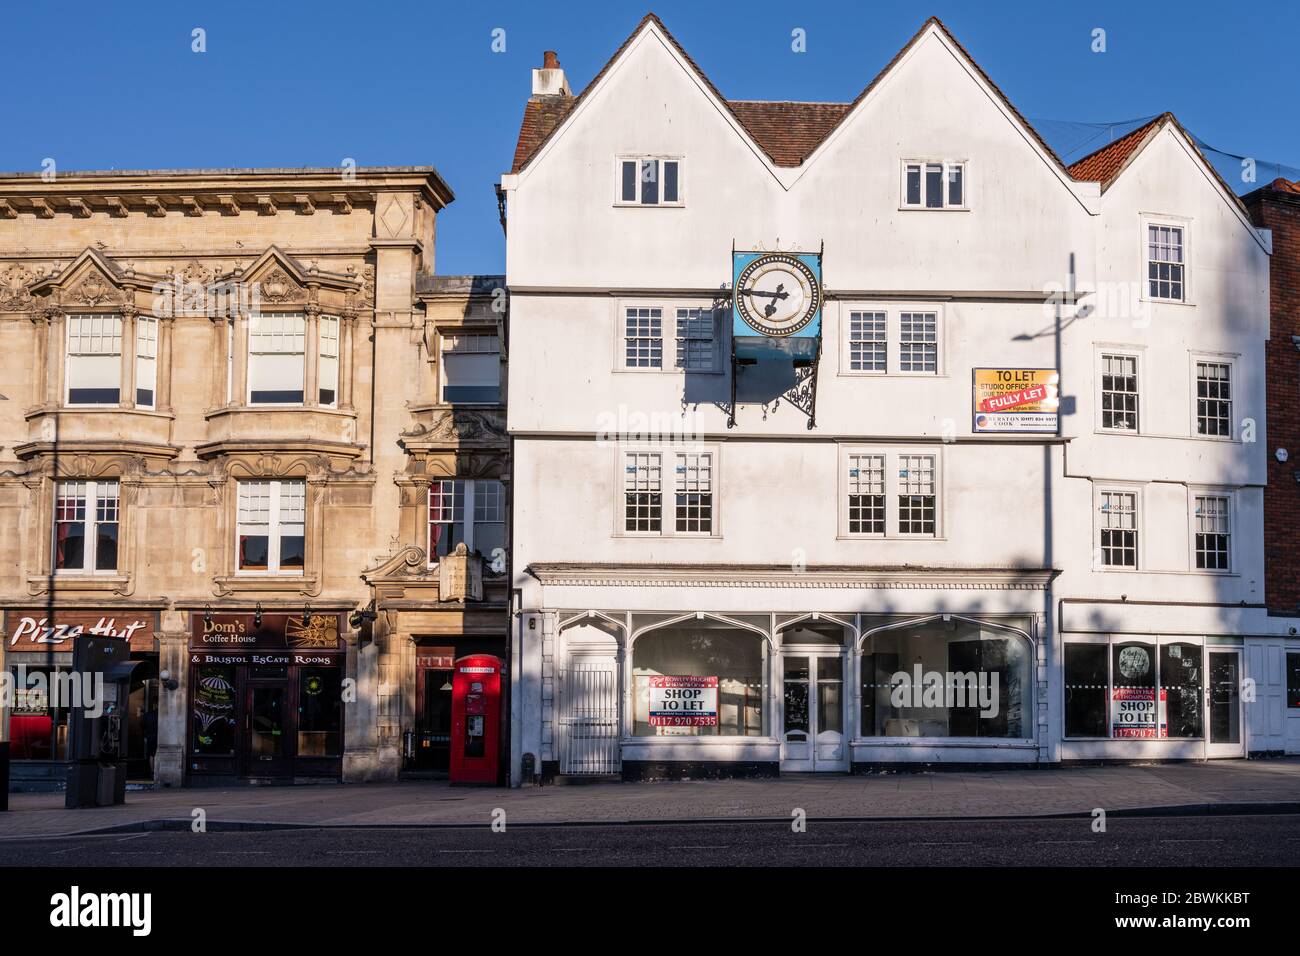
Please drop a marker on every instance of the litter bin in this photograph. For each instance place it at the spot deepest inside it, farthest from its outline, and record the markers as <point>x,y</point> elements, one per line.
<point>4,775</point>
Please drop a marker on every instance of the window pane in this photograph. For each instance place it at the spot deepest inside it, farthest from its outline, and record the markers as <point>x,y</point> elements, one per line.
<point>1135,713</point>
<point>867,343</point>
<point>329,359</point>
<point>649,182</point>
<point>973,682</point>
<point>320,711</point>
<point>696,343</point>
<point>276,369</point>
<point>726,695</point>
<point>1085,690</point>
<point>70,526</point>
<point>643,498</point>
<point>1181,690</point>
<point>471,368</point>
<point>629,181</point>
<point>643,338</point>
<point>1118,520</point>
<point>214,710</point>
<point>918,343</point>
<point>94,360</point>
<point>253,552</point>
<point>913,186</point>
<point>1119,392</point>
<point>670,181</point>
<point>934,186</point>
<point>954,185</point>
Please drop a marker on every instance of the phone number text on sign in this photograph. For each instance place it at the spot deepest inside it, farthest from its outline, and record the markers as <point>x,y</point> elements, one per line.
<point>683,701</point>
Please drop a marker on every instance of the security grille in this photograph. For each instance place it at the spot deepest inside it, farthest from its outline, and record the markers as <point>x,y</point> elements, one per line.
<point>589,718</point>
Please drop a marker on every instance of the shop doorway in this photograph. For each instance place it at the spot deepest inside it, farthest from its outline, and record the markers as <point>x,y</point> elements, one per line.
<point>1226,737</point>
<point>813,713</point>
<point>267,727</point>
<point>433,729</point>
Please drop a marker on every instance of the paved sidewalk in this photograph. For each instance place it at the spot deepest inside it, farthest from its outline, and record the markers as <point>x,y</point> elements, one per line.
<point>903,795</point>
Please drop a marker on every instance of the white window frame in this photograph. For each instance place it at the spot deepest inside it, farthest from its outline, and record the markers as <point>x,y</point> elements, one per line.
<point>93,489</point>
<point>668,488</point>
<point>640,158</point>
<point>272,526</point>
<point>328,351</point>
<point>1099,489</point>
<point>893,338</point>
<point>948,165</point>
<point>74,319</point>
<point>893,456</point>
<point>1234,382</point>
<point>469,500</point>
<point>146,358</point>
<point>1138,354</point>
<point>248,362</point>
<point>1210,491</point>
<point>1169,222</point>
<point>453,332</point>
<point>669,352</point>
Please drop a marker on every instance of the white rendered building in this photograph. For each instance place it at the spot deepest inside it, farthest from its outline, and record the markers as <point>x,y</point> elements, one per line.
<point>727,564</point>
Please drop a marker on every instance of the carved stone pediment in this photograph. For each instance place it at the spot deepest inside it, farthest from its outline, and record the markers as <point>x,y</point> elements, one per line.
<point>453,426</point>
<point>93,289</point>
<point>408,562</point>
<point>14,294</point>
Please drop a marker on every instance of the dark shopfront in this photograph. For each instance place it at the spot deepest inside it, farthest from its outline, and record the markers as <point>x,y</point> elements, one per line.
<point>266,698</point>
<point>38,658</point>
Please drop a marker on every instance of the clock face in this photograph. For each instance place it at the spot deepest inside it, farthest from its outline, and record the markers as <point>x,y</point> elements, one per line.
<point>777,294</point>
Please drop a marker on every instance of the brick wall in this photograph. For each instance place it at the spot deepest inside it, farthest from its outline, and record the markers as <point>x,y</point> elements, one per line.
<point>1279,209</point>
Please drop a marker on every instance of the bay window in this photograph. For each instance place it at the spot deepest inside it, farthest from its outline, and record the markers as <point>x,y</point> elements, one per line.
<point>471,512</point>
<point>270,530</point>
<point>86,521</point>
<point>471,368</point>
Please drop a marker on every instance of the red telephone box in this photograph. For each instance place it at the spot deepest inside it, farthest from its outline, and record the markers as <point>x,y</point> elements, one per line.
<point>476,719</point>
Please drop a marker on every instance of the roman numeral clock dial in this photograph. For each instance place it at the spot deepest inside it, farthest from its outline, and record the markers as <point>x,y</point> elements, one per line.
<point>777,294</point>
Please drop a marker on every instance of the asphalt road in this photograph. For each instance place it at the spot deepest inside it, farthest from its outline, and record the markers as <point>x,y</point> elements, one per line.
<point>1249,840</point>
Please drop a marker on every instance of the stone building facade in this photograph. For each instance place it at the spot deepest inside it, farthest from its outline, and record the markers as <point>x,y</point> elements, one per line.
<point>224,398</point>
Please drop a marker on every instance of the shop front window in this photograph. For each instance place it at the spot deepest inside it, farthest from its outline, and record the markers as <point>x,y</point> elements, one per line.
<point>38,728</point>
<point>1134,690</point>
<point>698,678</point>
<point>213,719</point>
<point>320,712</point>
<point>946,679</point>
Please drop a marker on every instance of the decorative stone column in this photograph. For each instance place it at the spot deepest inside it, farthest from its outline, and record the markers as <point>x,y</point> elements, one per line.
<point>126,394</point>
<point>173,703</point>
<point>55,347</point>
<point>311,356</point>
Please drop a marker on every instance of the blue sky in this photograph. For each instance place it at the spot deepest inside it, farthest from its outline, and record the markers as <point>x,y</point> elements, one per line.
<point>116,85</point>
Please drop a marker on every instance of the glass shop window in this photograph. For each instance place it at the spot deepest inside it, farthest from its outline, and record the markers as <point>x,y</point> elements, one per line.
<point>38,726</point>
<point>213,718</point>
<point>1134,690</point>
<point>698,679</point>
<point>320,712</point>
<point>947,679</point>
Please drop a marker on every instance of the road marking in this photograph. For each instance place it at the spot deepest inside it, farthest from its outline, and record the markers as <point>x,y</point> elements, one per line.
<point>1192,841</point>
<point>718,846</point>
<point>945,844</point>
<point>1060,842</point>
<point>466,851</point>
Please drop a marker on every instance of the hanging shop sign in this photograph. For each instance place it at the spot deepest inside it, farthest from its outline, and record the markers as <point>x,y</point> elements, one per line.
<point>279,635</point>
<point>1015,400</point>
<point>776,304</point>
<point>46,631</point>
<point>683,701</point>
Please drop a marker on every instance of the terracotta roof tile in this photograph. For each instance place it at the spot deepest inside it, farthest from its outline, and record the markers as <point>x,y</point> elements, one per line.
<point>788,132</point>
<point>1101,166</point>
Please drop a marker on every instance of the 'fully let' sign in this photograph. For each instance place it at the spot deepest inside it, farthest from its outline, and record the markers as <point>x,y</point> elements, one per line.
<point>683,701</point>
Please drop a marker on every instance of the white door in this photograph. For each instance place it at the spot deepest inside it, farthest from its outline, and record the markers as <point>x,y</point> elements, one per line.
<point>1225,731</point>
<point>812,712</point>
<point>589,717</point>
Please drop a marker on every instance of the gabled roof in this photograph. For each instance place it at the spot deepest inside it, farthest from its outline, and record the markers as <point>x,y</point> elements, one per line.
<point>1104,165</point>
<point>787,132</point>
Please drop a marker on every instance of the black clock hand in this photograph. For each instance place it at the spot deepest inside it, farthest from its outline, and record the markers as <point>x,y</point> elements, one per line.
<point>778,294</point>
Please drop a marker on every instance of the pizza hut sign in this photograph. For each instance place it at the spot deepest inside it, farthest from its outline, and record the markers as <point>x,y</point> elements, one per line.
<point>683,701</point>
<point>41,631</point>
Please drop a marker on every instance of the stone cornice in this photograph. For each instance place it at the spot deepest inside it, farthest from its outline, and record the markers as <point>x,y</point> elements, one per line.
<point>781,576</point>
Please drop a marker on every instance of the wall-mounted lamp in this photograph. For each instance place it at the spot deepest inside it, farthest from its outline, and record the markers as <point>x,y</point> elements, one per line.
<point>306,615</point>
<point>171,683</point>
<point>257,615</point>
<point>1295,340</point>
<point>207,614</point>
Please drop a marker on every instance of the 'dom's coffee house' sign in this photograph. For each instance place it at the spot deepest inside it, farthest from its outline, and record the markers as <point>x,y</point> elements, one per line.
<point>266,638</point>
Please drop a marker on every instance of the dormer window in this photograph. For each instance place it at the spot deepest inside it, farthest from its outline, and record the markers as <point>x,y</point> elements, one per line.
<point>649,181</point>
<point>934,185</point>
